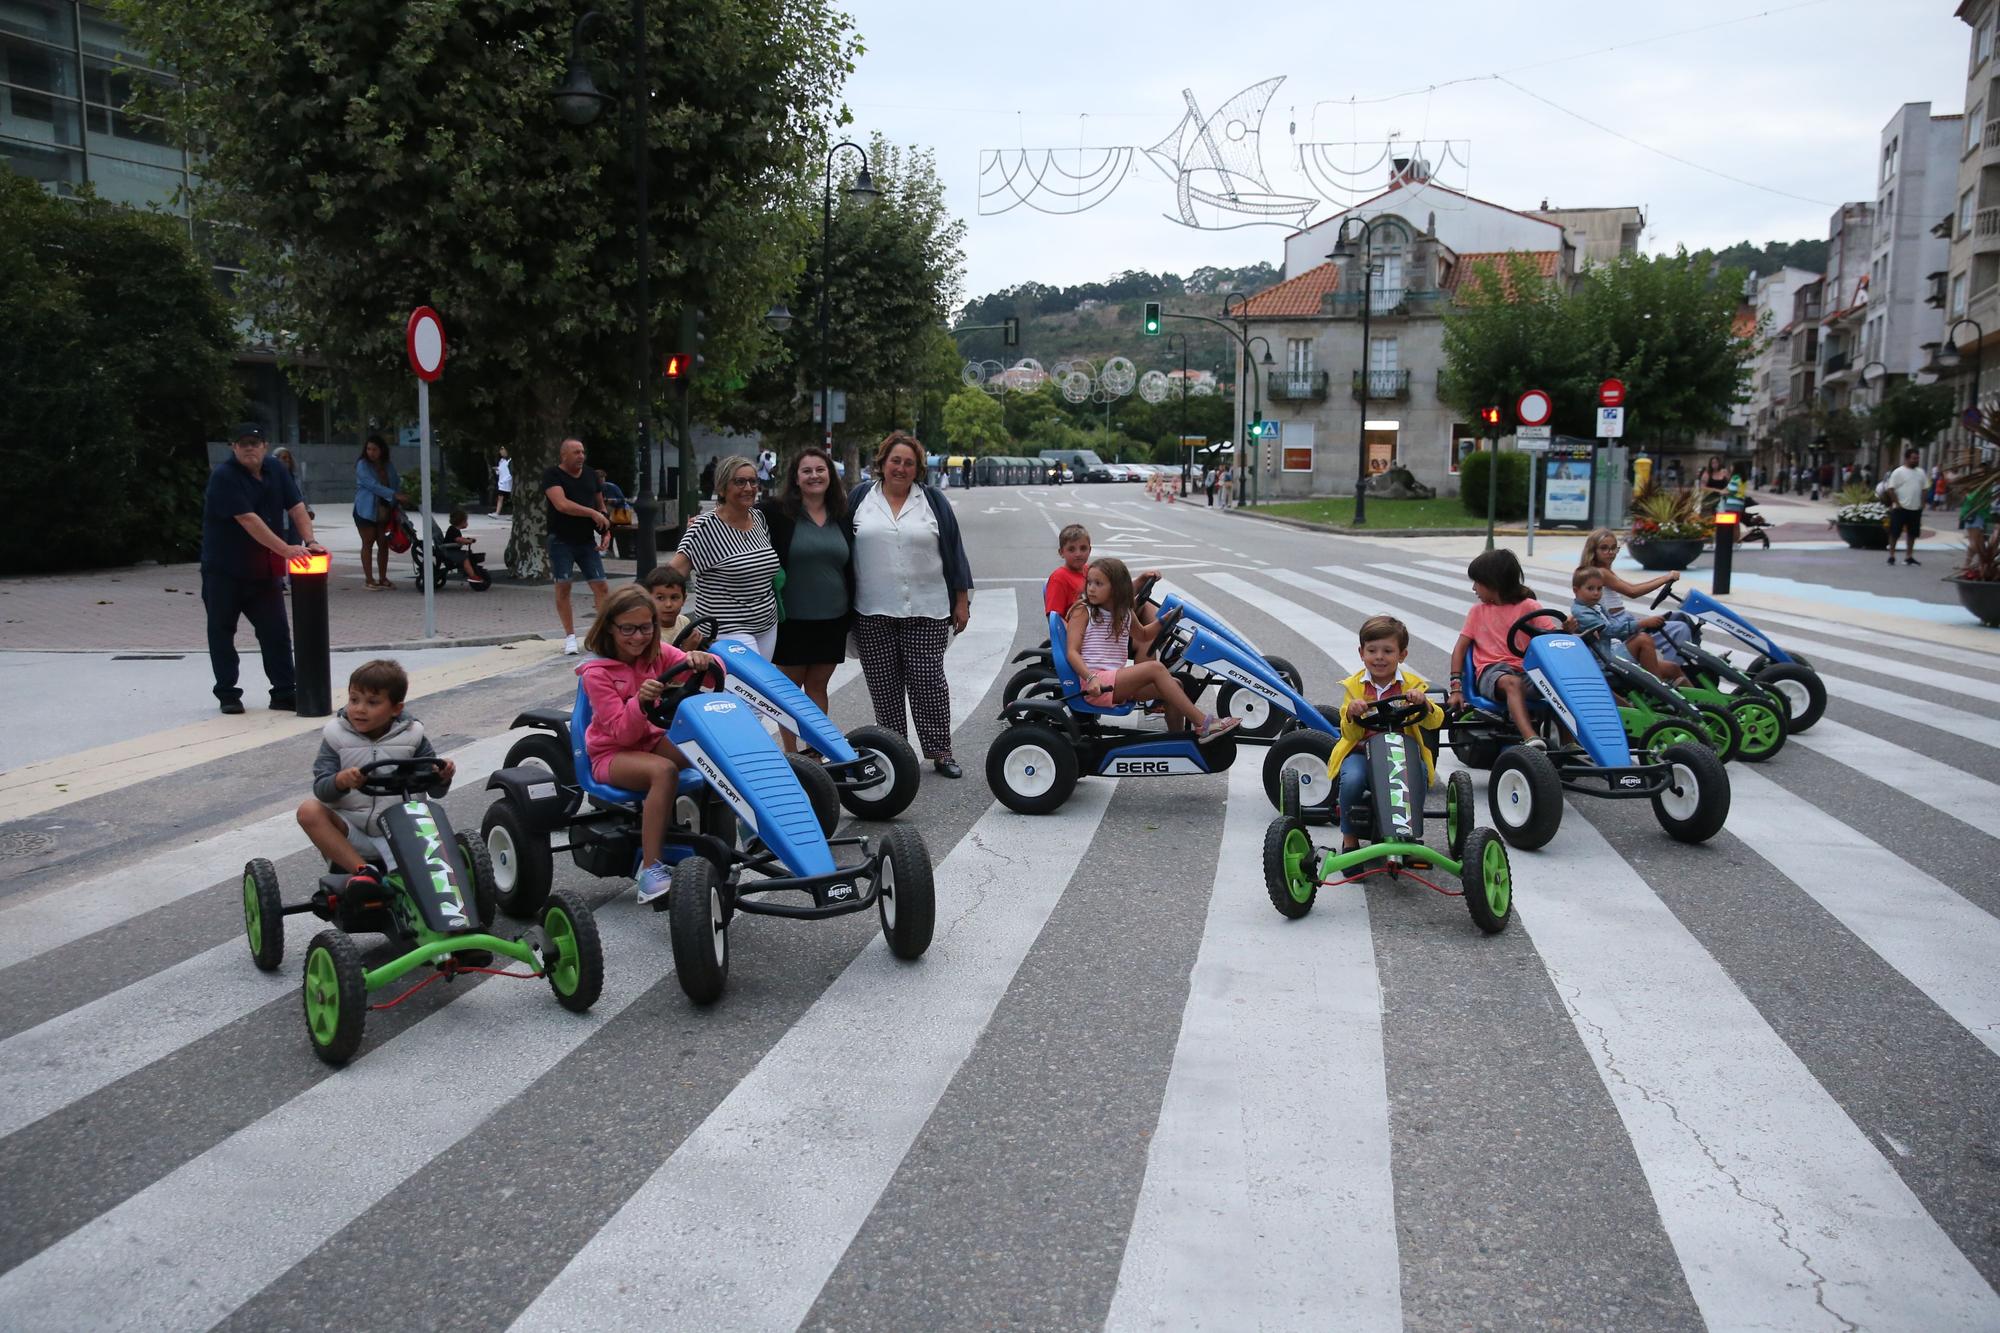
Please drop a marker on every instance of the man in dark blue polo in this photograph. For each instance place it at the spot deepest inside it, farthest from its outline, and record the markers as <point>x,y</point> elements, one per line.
<point>243,561</point>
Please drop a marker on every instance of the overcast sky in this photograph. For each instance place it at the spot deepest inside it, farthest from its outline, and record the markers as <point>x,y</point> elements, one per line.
<point>1792,100</point>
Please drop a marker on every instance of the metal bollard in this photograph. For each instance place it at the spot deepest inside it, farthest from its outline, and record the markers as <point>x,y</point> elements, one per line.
<point>312,659</point>
<point>1725,547</point>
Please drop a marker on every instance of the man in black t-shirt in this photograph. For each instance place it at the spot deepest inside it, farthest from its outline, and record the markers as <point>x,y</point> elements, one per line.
<point>243,560</point>
<point>576,513</point>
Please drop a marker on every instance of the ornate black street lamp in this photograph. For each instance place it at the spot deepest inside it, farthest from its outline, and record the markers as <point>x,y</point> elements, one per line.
<point>862,190</point>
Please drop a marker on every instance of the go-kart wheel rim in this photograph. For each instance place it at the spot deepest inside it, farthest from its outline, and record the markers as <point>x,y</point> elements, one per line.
<point>564,962</point>
<point>1496,877</point>
<point>1798,699</point>
<point>1253,708</point>
<point>718,925</point>
<point>1030,771</point>
<point>1714,731</point>
<point>885,891</point>
<point>1679,733</point>
<point>506,864</point>
<point>253,917</point>
<point>1759,724</point>
<point>1682,796</point>
<point>322,997</point>
<point>880,791</point>
<point>1298,866</point>
<point>1516,797</point>
<point>1315,787</point>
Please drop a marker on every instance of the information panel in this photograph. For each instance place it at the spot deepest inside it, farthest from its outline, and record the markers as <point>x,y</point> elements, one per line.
<point>1566,482</point>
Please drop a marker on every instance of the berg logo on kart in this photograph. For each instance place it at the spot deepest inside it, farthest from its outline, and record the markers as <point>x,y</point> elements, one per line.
<point>1628,781</point>
<point>717,706</point>
<point>450,902</point>
<point>839,892</point>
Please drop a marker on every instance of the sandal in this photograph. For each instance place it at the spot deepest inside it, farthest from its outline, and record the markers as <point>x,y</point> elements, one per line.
<point>1213,727</point>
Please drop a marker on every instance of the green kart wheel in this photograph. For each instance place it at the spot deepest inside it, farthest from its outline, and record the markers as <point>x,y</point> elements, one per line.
<point>263,914</point>
<point>573,960</point>
<point>1458,816</point>
<point>1288,867</point>
<point>1671,731</point>
<point>336,997</point>
<point>1762,726</point>
<point>1723,737</point>
<point>1488,881</point>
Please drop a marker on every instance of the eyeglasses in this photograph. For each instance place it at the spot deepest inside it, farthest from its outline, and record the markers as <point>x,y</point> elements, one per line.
<point>742,481</point>
<point>633,631</point>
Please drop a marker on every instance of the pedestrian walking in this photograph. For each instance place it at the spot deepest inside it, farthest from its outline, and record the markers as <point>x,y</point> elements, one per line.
<point>1905,489</point>
<point>1210,476</point>
<point>708,477</point>
<point>503,483</point>
<point>376,498</point>
<point>243,560</point>
<point>912,593</point>
<point>728,551</point>
<point>808,526</point>
<point>576,515</point>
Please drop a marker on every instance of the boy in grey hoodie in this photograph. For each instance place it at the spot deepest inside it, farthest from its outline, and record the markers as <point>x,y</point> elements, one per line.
<point>371,727</point>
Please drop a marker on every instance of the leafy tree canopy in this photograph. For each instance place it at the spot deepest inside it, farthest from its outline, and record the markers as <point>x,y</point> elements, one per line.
<point>1913,413</point>
<point>972,424</point>
<point>1808,254</point>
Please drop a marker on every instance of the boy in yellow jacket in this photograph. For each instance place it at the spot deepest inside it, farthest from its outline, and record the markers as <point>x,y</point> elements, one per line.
<point>1385,645</point>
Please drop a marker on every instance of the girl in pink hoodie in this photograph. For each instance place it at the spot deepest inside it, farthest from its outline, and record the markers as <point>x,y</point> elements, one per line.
<point>625,748</point>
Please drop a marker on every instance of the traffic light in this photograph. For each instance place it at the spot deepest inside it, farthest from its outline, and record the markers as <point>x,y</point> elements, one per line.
<point>1490,416</point>
<point>680,367</point>
<point>1010,331</point>
<point>1261,429</point>
<point>675,366</point>
<point>1153,318</point>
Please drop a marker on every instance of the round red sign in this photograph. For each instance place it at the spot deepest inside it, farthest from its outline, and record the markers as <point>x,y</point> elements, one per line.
<point>1533,408</point>
<point>424,339</point>
<point>1611,393</point>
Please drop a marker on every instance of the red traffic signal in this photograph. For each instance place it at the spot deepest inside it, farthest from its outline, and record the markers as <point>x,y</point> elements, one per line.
<point>676,366</point>
<point>1490,415</point>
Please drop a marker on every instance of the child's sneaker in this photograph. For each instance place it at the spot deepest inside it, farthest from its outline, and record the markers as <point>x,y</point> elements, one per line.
<point>654,881</point>
<point>1216,726</point>
<point>1536,743</point>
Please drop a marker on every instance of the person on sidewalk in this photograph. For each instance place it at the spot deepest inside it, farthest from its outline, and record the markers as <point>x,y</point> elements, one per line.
<point>1905,489</point>
<point>243,560</point>
<point>377,496</point>
<point>576,513</point>
<point>503,481</point>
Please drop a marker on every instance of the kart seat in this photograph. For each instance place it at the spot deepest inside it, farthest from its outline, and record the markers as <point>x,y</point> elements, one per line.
<point>601,792</point>
<point>1072,687</point>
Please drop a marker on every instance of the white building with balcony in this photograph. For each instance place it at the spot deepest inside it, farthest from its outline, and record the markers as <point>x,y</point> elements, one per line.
<point>1972,275</point>
<point>1919,209</point>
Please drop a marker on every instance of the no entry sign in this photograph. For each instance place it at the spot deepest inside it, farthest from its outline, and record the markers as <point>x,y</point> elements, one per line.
<point>1533,408</point>
<point>424,339</point>
<point>1611,393</point>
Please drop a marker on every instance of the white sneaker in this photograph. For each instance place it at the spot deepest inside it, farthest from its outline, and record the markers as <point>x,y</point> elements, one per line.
<point>569,646</point>
<point>654,881</point>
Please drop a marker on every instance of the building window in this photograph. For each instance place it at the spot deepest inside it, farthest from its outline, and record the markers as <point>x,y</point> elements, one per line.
<point>1982,41</point>
<point>1382,354</point>
<point>1299,355</point>
<point>1957,294</point>
<point>1889,160</point>
<point>1965,214</point>
<point>1975,121</point>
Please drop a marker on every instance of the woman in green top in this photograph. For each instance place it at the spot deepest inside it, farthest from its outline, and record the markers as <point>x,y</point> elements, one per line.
<point>811,541</point>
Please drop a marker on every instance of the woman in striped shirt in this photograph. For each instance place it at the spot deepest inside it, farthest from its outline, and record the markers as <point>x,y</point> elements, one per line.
<point>728,551</point>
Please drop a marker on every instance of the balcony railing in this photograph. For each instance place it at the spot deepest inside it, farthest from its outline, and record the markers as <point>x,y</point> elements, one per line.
<point>1986,222</point>
<point>1348,304</point>
<point>1383,384</point>
<point>1835,363</point>
<point>1992,139</point>
<point>1296,386</point>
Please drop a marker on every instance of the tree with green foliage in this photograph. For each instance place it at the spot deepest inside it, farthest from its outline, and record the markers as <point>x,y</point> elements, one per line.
<point>1912,413</point>
<point>1808,254</point>
<point>115,372</point>
<point>377,155</point>
<point>972,424</point>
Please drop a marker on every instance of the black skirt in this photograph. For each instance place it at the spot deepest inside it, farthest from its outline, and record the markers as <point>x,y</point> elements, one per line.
<point>812,642</point>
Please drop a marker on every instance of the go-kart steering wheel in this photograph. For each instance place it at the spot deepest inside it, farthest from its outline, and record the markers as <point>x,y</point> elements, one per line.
<point>661,711</point>
<point>707,626</point>
<point>1143,594</point>
<point>1393,714</point>
<point>404,776</point>
<point>1664,593</point>
<point>1169,648</point>
<point>1517,644</point>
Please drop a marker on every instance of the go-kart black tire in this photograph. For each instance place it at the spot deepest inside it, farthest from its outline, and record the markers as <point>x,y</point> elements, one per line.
<point>336,997</point>
<point>1459,813</point>
<point>1286,838</point>
<point>889,801</point>
<point>906,894</point>
<point>1524,796</point>
<point>1033,682</point>
<point>1725,738</point>
<point>263,914</point>
<point>478,863</point>
<point>1701,818</point>
<point>699,922</point>
<point>1290,802</point>
<point>819,789</point>
<point>1306,751</point>
<point>543,750</point>
<point>479,585</point>
<point>1030,769</point>
<point>1261,718</point>
<point>1800,687</point>
<point>523,867</point>
<point>1488,881</point>
<point>1761,724</point>
<point>574,963</point>
<point>1286,672</point>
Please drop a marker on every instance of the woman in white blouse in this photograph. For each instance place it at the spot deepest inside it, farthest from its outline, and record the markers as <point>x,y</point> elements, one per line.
<point>912,592</point>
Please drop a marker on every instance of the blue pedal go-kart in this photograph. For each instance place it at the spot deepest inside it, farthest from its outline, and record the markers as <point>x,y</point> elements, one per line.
<point>1588,752</point>
<point>1786,675</point>
<point>749,833</point>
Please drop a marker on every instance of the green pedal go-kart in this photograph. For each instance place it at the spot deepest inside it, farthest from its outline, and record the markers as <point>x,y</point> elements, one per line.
<point>435,916</point>
<point>1390,825</point>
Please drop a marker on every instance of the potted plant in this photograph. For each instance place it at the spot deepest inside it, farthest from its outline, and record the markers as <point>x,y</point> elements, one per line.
<point>1978,583</point>
<point>1668,530</point>
<point>1862,520</point>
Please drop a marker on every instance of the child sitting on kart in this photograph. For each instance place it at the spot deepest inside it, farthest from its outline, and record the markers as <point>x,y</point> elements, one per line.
<point>625,747</point>
<point>1503,599</point>
<point>1102,626</point>
<point>1385,646</point>
<point>1065,586</point>
<point>1600,550</point>
<point>372,727</point>
<point>669,589</point>
<point>1587,611</point>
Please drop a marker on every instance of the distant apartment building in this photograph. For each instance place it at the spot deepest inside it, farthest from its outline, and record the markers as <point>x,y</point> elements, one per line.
<point>1599,235</point>
<point>1971,282</point>
<point>1774,306</point>
<point>1919,209</point>
<point>1844,298</point>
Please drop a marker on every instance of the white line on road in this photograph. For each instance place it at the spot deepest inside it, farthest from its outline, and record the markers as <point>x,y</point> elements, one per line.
<point>971,660</point>
<point>1435,633</point>
<point>740,1228</point>
<point>1970,799</point>
<point>1259,1208</point>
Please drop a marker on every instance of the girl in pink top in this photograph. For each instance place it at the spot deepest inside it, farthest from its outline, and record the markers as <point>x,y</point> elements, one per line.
<point>623,745</point>
<point>1101,625</point>
<point>1503,599</point>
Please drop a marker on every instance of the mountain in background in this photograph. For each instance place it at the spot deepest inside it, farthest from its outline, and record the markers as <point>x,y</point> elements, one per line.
<point>1768,258</point>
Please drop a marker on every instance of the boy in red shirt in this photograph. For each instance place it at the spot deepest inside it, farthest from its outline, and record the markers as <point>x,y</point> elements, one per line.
<point>1065,587</point>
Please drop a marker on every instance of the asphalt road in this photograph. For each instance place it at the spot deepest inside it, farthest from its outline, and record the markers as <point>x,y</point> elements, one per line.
<point>1747,1084</point>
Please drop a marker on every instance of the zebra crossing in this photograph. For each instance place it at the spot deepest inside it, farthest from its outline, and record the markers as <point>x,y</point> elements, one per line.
<point>1747,1084</point>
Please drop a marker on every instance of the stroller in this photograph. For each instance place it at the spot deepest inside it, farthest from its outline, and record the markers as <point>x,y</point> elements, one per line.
<point>1751,525</point>
<point>441,560</point>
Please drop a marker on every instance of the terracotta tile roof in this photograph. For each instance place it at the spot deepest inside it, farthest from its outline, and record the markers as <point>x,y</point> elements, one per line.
<point>1293,297</point>
<point>1463,273</point>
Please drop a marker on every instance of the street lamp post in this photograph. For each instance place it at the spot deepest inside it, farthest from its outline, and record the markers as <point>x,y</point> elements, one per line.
<point>1343,248</point>
<point>1949,356</point>
<point>1257,390</point>
<point>862,191</point>
<point>1187,462</point>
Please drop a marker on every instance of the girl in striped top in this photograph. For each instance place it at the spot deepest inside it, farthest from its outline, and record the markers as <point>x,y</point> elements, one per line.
<point>1101,625</point>
<point>729,552</point>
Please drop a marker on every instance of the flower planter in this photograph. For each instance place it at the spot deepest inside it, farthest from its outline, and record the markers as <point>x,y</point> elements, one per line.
<point>1665,553</point>
<point>1981,597</point>
<point>1864,536</point>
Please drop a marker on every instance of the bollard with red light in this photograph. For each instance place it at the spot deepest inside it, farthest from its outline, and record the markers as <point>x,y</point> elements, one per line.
<point>311,655</point>
<point>1726,521</point>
